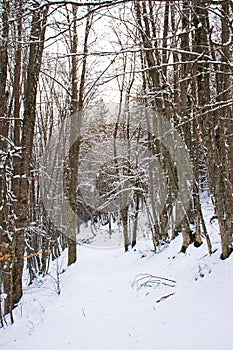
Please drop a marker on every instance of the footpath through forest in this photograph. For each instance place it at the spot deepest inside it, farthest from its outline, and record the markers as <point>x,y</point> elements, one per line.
<point>116,300</point>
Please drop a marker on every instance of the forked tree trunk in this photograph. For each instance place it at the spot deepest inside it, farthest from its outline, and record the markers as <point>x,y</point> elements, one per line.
<point>77,105</point>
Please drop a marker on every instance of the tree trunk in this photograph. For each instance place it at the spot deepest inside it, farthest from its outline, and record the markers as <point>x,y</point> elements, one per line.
<point>23,166</point>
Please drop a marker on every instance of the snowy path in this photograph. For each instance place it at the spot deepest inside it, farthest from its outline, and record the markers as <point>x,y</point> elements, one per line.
<point>99,310</point>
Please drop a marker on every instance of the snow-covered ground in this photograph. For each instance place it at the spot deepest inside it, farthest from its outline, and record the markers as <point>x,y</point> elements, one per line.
<point>101,307</point>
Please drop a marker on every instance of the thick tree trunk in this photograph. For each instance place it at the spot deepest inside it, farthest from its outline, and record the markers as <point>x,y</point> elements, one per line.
<point>6,253</point>
<point>215,127</point>
<point>23,166</point>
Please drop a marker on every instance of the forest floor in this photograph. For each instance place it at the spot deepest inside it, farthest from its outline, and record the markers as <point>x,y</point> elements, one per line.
<point>109,301</point>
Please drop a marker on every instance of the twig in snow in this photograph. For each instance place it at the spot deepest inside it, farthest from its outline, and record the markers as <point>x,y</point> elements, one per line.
<point>164,297</point>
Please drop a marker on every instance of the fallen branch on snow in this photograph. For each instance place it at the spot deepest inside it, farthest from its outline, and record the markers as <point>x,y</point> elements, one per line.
<point>147,280</point>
